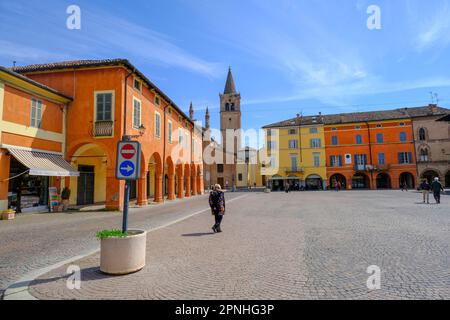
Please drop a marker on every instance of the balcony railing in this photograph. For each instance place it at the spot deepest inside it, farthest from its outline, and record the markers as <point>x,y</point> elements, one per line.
<point>382,167</point>
<point>294,170</point>
<point>103,128</point>
<point>360,167</point>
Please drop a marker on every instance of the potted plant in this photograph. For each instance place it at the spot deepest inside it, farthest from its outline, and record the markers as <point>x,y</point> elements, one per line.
<point>65,196</point>
<point>122,253</point>
<point>9,214</point>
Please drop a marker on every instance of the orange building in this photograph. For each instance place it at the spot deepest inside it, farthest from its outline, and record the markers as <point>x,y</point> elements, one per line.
<point>32,142</point>
<point>370,150</point>
<point>171,162</point>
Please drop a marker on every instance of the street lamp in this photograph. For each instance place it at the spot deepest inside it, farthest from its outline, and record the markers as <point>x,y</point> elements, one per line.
<point>141,130</point>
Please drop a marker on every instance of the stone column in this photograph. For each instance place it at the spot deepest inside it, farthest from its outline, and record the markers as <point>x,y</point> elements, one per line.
<point>142,190</point>
<point>180,194</point>
<point>158,187</point>
<point>171,187</point>
<point>194,183</point>
<point>188,185</point>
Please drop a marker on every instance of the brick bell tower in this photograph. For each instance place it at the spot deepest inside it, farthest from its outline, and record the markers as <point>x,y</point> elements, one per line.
<point>230,118</point>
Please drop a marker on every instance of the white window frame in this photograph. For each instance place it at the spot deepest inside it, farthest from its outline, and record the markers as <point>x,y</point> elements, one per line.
<point>157,125</point>
<point>313,146</point>
<point>134,113</point>
<point>180,136</point>
<point>36,104</point>
<point>293,144</point>
<point>316,155</point>
<point>113,93</point>
<point>169,132</point>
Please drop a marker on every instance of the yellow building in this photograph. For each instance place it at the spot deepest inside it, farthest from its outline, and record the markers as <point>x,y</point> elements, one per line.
<point>296,149</point>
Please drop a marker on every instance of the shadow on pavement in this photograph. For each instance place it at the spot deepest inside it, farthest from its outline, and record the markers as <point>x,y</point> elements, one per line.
<point>198,234</point>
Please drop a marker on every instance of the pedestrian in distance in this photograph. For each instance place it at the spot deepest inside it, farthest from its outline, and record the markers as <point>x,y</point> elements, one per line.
<point>436,186</point>
<point>404,186</point>
<point>336,186</point>
<point>217,204</point>
<point>425,187</point>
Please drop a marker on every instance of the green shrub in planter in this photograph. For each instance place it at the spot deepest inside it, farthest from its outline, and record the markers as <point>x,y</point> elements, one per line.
<point>111,234</point>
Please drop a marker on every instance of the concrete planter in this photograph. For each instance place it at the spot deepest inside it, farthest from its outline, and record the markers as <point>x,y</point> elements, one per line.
<point>120,256</point>
<point>8,215</point>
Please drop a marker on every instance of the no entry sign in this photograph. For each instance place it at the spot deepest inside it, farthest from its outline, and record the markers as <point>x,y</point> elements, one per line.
<point>128,160</point>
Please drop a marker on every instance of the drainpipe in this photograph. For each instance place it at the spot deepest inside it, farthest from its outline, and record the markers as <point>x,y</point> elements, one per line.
<point>124,136</point>
<point>370,151</point>
<point>164,158</point>
<point>415,152</point>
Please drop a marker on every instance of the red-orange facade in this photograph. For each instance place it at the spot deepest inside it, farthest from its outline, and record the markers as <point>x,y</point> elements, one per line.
<point>371,155</point>
<point>95,123</point>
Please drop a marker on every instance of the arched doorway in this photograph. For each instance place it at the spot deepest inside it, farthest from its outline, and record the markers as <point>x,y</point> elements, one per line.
<point>338,178</point>
<point>91,161</point>
<point>408,178</point>
<point>429,175</point>
<point>360,181</point>
<point>383,181</point>
<point>155,177</point>
<point>314,182</point>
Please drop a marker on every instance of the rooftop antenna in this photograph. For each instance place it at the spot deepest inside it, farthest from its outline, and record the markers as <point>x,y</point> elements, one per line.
<point>432,97</point>
<point>437,98</point>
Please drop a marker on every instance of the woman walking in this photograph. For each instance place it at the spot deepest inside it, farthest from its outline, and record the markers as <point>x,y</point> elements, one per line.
<point>217,204</point>
<point>425,187</point>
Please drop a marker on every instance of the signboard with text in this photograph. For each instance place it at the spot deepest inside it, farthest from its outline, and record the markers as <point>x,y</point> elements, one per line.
<point>128,160</point>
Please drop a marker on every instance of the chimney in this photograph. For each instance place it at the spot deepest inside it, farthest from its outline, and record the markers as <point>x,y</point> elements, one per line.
<point>433,107</point>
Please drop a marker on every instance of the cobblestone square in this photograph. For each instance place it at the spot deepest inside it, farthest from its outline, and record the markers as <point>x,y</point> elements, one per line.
<point>312,245</point>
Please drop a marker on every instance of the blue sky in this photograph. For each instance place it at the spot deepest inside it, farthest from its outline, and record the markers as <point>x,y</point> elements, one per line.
<point>287,56</point>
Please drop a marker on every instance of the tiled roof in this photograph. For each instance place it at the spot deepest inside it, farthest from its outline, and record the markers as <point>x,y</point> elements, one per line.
<point>78,64</point>
<point>33,82</point>
<point>342,118</point>
<point>445,118</point>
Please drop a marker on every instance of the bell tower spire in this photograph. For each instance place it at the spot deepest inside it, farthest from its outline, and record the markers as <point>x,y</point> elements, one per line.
<point>207,117</point>
<point>191,112</point>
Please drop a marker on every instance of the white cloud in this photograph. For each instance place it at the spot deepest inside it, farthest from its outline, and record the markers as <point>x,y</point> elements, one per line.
<point>102,35</point>
<point>432,29</point>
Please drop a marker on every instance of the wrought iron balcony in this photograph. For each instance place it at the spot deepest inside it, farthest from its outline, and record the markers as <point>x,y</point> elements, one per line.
<point>103,128</point>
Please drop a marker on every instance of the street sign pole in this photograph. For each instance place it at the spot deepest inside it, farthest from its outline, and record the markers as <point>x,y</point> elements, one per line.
<point>126,202</point>
<point>128,169</point>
